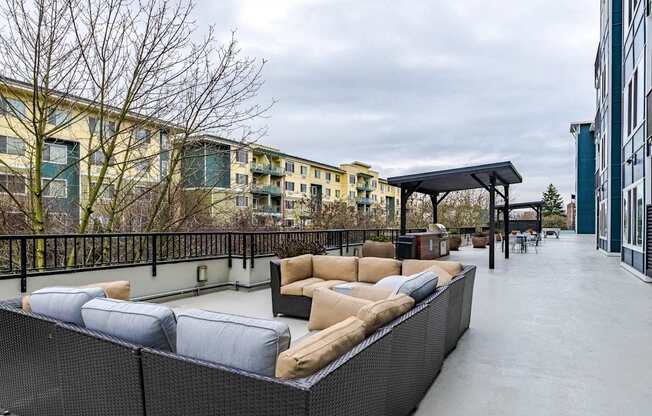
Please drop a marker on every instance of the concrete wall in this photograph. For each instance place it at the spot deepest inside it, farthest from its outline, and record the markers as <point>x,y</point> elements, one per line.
<point>169,277</point>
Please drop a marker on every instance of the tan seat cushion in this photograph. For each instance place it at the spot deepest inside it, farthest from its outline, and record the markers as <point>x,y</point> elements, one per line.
<point>443,277</point>
<point>371,293</point>
<point>119,289</point>
<point>296,288</point>
<point>308,291</point>
<point>335,268</point>
<point>383,311</point>
<point>372,269</point>
<point>329,308</point>
<point>296,268</point>
<point>411,267</point>
<point>316,352</point>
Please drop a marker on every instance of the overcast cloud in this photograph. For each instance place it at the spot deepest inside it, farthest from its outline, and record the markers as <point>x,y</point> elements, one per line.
<point>410,86</point>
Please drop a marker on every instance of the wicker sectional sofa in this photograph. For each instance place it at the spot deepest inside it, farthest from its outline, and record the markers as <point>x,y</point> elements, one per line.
<point>54,368</point>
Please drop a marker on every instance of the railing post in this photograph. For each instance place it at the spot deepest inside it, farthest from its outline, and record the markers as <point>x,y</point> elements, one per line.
<point>364,236</point>
<point>347,241</point>
<point>154,254</point>
<point>23,265</point>
<point>244,251</point>
<point>252,247</point>
<point>229,249</point>
<point>339,236</point>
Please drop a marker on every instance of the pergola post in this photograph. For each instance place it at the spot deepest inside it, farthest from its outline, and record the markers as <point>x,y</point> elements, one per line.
<point>404,197</point>
<point>506,222</point>
<point>492,222</point>
<point>435,203</point>
<point>540,219</point>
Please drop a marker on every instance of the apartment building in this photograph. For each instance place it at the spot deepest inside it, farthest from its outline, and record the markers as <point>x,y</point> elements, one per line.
<point>622,134</point>
<point>580,213</point>
<point>73,158</point>
<point>284,188</point>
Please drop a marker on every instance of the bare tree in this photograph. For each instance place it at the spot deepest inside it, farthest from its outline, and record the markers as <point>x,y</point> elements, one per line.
<point>137,89</point>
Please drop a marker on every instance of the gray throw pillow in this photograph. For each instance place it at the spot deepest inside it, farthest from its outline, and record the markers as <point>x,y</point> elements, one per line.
<point>63,303</point>
<point>236,341</point>
<point>147,324</point>
<point>420,285</point>
<point>392,282</point>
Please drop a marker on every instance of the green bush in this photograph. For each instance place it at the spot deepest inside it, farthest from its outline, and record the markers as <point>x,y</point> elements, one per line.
<point>293,248</point>
<point>380,239</point>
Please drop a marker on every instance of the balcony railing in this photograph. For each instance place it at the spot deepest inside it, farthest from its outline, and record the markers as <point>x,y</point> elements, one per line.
<point>44,255</point>
<point>365,187</point>
<point>266,190</point>
<point>267,169</point>
<point>365,201</point>
<point>268,209</point>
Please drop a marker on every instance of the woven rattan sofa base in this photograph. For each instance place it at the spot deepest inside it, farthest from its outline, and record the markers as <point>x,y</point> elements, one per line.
<point>29,384</point>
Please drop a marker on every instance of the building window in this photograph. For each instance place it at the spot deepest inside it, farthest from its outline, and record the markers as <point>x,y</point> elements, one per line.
<point>241,179</point>
<point>55,153</point>
<point>59,117</point>
<point>242,156</point>
<point>12,184</point>
<point>165,166</point>
<point>304,170</point>
<point>12,106</point>
<point>328,193</point>
<point>304,188</point>
<point>374,183</point>
<point>107,191</point>
<point>337,193</point>
<point>328,176</point>
<point>289,204</point>
<point>142,136</point>
<point>54,188</point>
<point>352,195</point>
<point>12,146</point>
<point>241,201</point>
<point>352,179</point>
<point>289,186</point>
<point>337,178</point>
<point>289,167</point>
<point>109,127</point>
<point>165,140</point>
<point>317,173</point>
<point>633,215</point>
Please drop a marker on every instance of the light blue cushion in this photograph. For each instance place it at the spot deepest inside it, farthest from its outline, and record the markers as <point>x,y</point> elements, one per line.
<point>236,341</point>
<point>419,286</point>
<point>140,323</point>
<point>63,303</point>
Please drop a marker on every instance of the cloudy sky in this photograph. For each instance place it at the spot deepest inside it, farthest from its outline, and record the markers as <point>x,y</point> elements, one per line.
<point>411,86</point>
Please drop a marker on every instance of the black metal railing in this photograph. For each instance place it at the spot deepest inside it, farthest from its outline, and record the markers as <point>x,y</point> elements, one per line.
<point>22,256</point>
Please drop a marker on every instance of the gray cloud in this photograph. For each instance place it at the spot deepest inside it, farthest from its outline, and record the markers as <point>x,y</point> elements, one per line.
<point>410,86</point>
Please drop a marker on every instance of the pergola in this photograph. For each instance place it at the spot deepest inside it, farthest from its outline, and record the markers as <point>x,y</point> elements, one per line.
<point>439,184</point>
<point>537,206</point>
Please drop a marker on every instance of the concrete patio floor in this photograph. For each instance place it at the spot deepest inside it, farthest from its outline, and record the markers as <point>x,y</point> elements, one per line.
<point>566,331</point>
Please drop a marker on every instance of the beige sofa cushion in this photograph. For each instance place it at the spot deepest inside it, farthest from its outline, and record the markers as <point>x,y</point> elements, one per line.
<point>329,308</point>
<point>372,269</point>
<point>371,293</point>
<point>296,288</point>
<point>119,289</point>
<point>443,277</point>
<point>296,268</point>
<point>335,268</point>
<point>411,267</point>
<point>316,352</point>
<point>308,291</point>
<point>383,311</point>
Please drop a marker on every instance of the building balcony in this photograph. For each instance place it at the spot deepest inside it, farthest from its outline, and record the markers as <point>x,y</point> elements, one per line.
<point>364,187</point>
<point>268,210</point>
<point>267,170</point>
<point>364,201</point>
<point>266,190</point>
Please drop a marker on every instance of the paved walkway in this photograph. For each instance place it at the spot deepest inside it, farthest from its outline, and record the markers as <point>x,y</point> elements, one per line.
<point>562,332</point>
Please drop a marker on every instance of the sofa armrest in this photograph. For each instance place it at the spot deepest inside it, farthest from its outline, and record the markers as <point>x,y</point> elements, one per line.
<point>275,284</point>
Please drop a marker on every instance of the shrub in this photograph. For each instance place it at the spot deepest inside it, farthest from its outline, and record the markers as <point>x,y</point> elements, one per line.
<point>380,239</point>
<point>293,248</point>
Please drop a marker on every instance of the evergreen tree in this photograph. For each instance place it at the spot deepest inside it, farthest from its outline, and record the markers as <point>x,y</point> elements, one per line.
<point>553,204</point>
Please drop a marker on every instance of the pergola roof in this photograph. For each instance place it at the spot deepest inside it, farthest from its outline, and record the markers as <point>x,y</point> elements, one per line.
<point>459,179</point>
<point>522,205</point>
